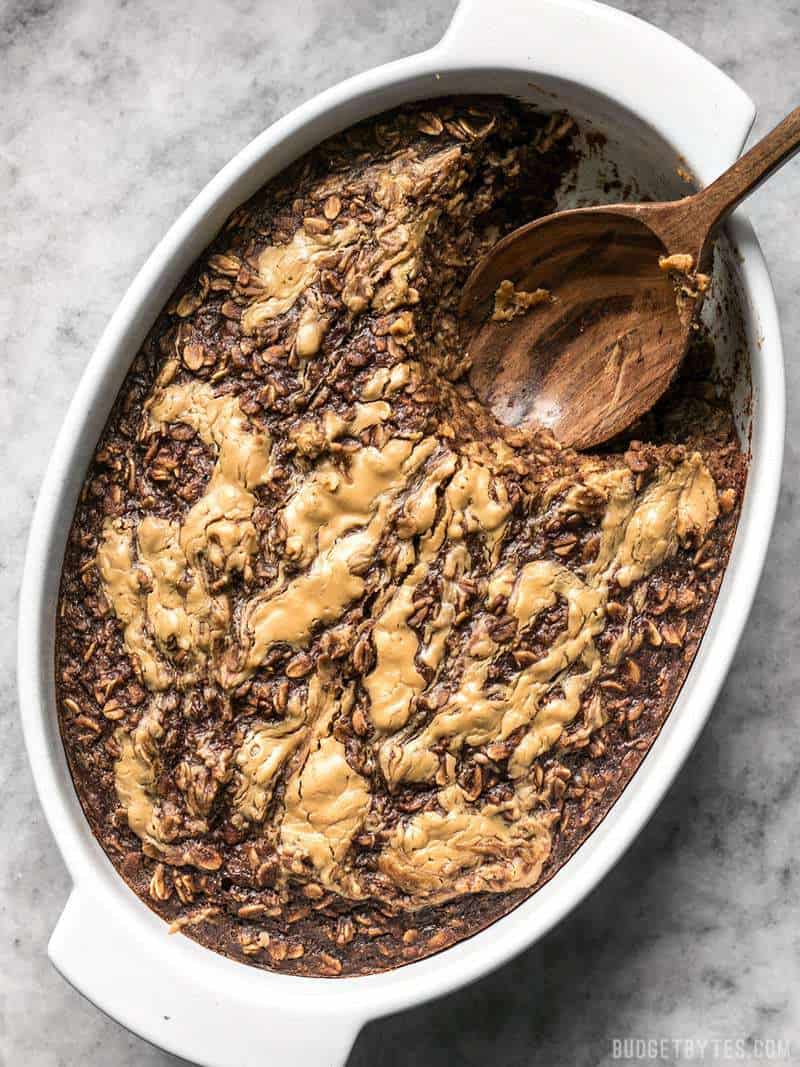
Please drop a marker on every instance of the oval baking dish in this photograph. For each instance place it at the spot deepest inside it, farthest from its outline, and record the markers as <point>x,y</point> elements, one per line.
<point>597,64</point>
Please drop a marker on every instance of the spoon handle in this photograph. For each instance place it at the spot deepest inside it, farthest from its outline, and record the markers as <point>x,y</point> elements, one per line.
<point>717,200</point>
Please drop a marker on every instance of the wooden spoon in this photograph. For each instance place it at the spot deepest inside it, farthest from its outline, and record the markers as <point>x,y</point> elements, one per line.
<point>603,346</point>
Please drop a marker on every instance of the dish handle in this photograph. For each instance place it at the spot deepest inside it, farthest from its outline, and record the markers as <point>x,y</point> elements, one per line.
<point>694,105</point>
<point>164,1002</point>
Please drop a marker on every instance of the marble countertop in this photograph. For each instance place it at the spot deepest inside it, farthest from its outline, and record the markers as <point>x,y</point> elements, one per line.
<point>114,115</point>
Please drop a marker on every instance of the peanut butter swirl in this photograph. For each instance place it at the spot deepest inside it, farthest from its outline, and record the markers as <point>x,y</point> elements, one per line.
<point>337,519</point>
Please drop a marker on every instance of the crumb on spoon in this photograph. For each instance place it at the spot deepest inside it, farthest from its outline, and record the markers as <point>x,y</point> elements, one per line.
<point>509,301</point>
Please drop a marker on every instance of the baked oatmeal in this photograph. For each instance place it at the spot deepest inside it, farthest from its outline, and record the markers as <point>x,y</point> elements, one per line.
<point>346,668</point>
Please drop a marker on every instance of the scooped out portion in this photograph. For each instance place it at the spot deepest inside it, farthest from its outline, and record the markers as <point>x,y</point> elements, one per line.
<point>348,667</point>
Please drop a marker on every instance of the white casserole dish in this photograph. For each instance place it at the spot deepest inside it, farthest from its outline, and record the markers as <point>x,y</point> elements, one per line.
<point>656,100</point>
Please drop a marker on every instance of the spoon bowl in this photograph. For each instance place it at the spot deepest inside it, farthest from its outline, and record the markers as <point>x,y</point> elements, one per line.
<point>582,318</point>
<point>600,349</point>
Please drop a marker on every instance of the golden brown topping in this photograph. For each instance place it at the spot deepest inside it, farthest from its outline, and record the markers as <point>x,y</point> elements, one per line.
<point>463,849</point>
<point>287,271</point>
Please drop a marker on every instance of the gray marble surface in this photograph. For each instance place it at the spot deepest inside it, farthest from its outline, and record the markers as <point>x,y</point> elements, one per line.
<point>114,114</point>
